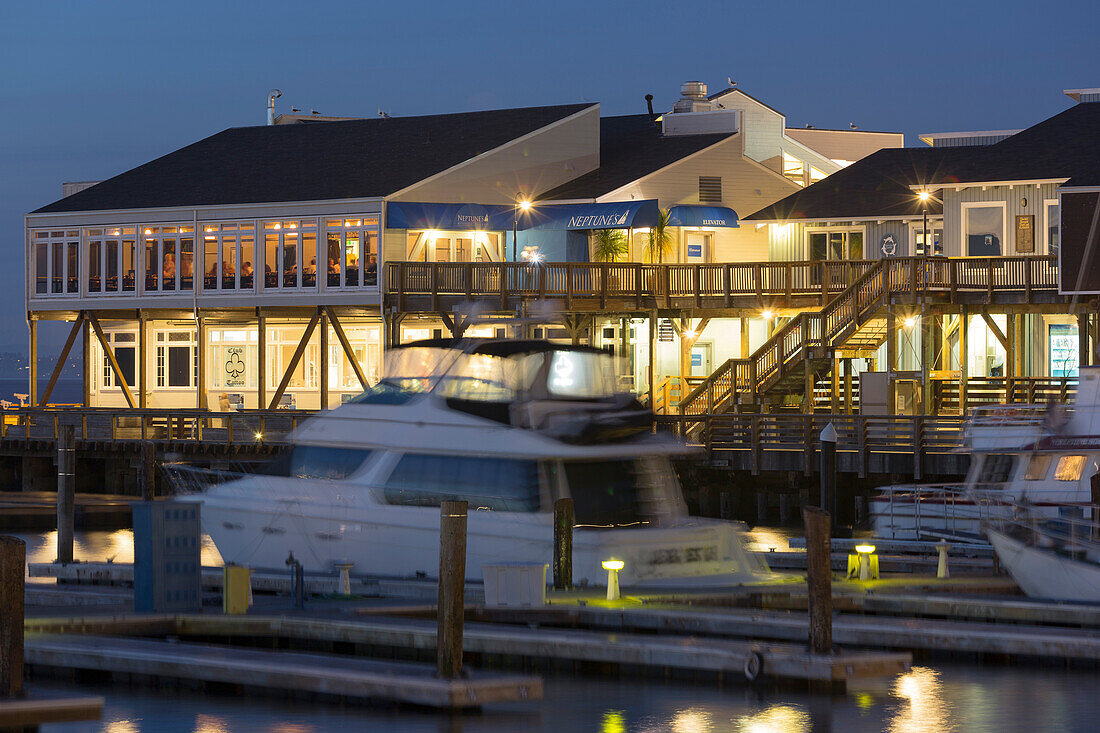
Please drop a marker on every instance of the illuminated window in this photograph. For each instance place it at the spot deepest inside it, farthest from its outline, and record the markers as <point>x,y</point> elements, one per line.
<point>794,170</point>
<point>836,244</point>
<point>229,256</point>
<point>1069,468</point>
<point>1038,467</point>
<point>290,254</point>
<point>57,262</point>
<point>816,175</point>
<point>352,252</point>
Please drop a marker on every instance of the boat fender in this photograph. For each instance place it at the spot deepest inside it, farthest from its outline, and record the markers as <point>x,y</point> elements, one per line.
<point>754,665</point>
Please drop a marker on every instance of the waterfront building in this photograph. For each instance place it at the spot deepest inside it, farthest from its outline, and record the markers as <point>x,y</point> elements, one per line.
<point>267,266</point>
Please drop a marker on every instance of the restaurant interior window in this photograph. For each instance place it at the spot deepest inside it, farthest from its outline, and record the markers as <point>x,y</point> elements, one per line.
<point>57,262</point>
<point>41,263</point>
<point>128,269</point>
<point>152,261</point>
<point>1053,225</point>
<point>984,230</point>
<point>57,276</point>
<point>290,253</point>
<point>228,256</point>
<point>72,267</point>
<point>95,266</point>
<point>352,252</point>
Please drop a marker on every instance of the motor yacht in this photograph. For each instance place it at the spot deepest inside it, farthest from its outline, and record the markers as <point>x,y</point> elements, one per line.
<point>509,426</point>
<point>1045,456</point>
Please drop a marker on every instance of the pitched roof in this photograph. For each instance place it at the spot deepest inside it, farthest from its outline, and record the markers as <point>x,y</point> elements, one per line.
<point>1064,146</point>
<point>631,146</point>
<point>312,162</point>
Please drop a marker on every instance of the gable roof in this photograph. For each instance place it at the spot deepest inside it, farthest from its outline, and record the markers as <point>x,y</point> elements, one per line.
<point>880,185</point>
<point>631,146</point>
<point>312,162</point>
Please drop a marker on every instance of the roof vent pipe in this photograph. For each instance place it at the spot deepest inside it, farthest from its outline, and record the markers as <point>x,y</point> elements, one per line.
<point>649,104</point>
<point>271,97</point>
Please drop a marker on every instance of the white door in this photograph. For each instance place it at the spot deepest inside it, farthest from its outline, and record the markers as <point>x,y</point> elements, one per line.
<point>697,246</point>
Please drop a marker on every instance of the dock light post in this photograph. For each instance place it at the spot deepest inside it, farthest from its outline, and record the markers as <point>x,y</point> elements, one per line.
<point>866,554</point>
<point>520,204</point>
<point>613,567</point>
<point>828,469</point>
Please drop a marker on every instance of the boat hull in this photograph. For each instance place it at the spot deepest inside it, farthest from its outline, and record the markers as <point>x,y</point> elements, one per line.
<point>1042,573</point>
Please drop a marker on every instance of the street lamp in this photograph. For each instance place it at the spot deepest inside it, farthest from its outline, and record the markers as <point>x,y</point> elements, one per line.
<point>924,196</point>
<point>520,204</point>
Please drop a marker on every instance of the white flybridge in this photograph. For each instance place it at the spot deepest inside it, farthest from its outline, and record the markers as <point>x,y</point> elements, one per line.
<point>1043,456</point>
<point>510,427</point>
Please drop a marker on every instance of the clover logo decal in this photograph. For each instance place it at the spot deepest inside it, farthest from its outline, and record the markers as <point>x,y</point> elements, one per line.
<point>234,367</point>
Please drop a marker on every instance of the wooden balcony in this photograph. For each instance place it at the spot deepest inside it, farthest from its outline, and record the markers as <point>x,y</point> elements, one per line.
<point>623,287</point>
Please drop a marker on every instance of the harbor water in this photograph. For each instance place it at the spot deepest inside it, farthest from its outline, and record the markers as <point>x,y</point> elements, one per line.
<point>938,695</point>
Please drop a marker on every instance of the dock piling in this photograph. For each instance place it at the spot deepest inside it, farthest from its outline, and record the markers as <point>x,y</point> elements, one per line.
<point>819,579</point>
<point>828,469</point>
<point>563,544</point>
<point>66,491</point>
<point>452,588</point>
<point>148,469</point>
<point>13,558</point>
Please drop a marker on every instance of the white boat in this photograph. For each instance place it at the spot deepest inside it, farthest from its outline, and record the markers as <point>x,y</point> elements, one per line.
<point>1056,559</point>
<point>510,427</point>
<point>1046,456</point>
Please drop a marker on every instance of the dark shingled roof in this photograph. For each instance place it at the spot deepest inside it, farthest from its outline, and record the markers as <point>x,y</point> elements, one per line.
<point>1064,146</point>
<point>631,146</point>
<point>312,162</point>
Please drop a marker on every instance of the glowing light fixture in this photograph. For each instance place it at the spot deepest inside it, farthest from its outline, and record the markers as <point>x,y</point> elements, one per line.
<point>924,196</point>
<point>767,315</point>
<point>868,568</point>
<point>525,205</point>
<point>259,436</point>
<point>612,567</point>
<point>910,321</point>
<point>867,549</point>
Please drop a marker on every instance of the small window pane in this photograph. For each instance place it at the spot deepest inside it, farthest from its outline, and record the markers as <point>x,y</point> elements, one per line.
<point>248,271</point>
<point>271,257</point>
<point>187,264</point>
<point>290,261</point>
<point>996,469</point>
<point>316,461</point>
<point>57,278</point>
<point>95,281</point>
<point>498,484</point>
<point>1069,468</point>
<point>309,260</point>
<point>129,276</point>
<point>1053,225</point>
<point>333,259</point>
<point>151,264</point>
<point>1037,467</point>
<point>127,360</point>
<point>41,263</point>
<point>169,269</point>
<point>72,271</point>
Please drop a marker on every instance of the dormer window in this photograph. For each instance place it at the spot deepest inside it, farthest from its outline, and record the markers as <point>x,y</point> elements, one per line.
<point>794,170</point>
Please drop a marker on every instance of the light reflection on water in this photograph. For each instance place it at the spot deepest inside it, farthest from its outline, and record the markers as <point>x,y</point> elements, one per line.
<point>98,546</point>
<point>949,698</point>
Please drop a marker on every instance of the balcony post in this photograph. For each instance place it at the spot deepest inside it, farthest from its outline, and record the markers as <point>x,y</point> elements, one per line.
<point>891,359</point>
<point>964,357</point>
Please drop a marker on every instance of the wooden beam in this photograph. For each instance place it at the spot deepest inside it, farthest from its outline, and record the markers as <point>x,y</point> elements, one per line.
<point>110,353</point>
<point>143,361</point>
<point>348,350</point>
<point>200,341</point>
<point>285,382</point>
<point>323,359</point>
<point>964,358</point>
<point>60,365</point>
<point>891,360</point>
<point>89,370</point>
<point>996,331</point>
<point>32,384</point>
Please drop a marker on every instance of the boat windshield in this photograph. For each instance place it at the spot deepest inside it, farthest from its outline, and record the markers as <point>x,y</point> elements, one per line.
<point>621,492</point>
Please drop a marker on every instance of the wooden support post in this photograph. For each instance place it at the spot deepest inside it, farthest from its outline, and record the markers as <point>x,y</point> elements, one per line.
<point>964,358</point>
<point>110,354</point>
<point>891,361</point>
<point>297,357</point>
<point>828,468</point>
<point>89,369</point>
<point>847,386</point>
<point>819,578</point>
<point>200,345</point>
<point>1022,368</point>
<point>807,387</point>
<point>322,359</point>
<point>261,359</point>
<point>66,491</point>
<point>652,355</point>
<point>13,564</point>
<point>1011,353</point>
<point>143,361</point>
<point>927,358</point>
<point>1083,339</point>
<point>563,544</point>
<point>744,338</point>
<point>62,358</point>
<point>834,386</point>
<point>452,586</point>
<point>33,366</point>
<point>147,471</point>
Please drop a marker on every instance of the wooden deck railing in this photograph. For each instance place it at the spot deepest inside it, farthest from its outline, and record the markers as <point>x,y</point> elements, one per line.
<point>106,424</point>
<point>569,280</point>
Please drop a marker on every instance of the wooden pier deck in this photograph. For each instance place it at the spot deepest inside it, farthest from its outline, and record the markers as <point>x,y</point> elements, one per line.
<point>30,712</point>
<point>343,676</point>
<point>38,510</point>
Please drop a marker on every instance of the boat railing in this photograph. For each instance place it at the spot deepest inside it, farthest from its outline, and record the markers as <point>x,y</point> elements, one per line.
<point>1077,537</point>
<point>942,508</point>
<point>1027,422</point>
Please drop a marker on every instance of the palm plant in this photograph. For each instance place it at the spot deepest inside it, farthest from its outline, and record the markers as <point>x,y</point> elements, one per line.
<point>609,245</point>
<point>659,244</point>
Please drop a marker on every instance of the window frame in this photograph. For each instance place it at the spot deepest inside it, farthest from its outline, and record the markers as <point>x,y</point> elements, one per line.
<point>218,232</point>
<point>279,229</point>
<point>367,226</point>
<point>161,357</point>
<point>965,207</point>
<point>826,230</point>
<point>1063,470</point>
<point>1047,203</point>
<point>1030,474</point>
<point>158,235</point>
<point>59,245</point>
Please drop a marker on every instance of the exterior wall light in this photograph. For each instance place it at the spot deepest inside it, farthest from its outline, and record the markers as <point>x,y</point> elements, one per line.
<point>910,321</point>
<point>612,567</point>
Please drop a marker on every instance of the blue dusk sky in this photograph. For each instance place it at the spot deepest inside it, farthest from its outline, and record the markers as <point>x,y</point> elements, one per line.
<point>90,89</point>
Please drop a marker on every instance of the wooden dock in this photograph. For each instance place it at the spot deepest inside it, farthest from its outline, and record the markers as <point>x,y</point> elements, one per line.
<point>297,672</point>
<point>737,657</point>
<point>38,510</point>
<point>31,712</point>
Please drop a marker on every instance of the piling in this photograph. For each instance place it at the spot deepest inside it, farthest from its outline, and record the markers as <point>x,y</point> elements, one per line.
<point>563,544</point>
<point>819,579</point>
<point>784,509</point>
<point>828,469</point>
<point>13,559</point>
<point>66,491</point>
<point>452,588</point>
<point>147,471</point>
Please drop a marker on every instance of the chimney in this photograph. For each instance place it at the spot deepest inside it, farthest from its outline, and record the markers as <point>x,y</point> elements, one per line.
<point>271,97</point>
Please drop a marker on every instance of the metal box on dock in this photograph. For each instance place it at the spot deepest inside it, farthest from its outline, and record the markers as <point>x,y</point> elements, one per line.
<point>167,557</point>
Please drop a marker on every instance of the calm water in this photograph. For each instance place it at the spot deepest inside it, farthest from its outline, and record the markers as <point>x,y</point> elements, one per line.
<point>937,696</point>
<point>66,391</point>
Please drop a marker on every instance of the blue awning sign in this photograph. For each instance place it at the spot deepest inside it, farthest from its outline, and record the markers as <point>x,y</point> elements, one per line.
<point>702,216</point>
<point>610,215</point>
<point>502,217</point>
<point>460,217</point>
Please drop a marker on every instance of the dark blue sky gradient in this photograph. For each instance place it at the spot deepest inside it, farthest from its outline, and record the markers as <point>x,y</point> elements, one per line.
<point>89,89</point>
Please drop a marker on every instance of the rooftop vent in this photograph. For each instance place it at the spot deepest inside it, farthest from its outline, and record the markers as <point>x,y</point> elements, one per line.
<point>693,98</point>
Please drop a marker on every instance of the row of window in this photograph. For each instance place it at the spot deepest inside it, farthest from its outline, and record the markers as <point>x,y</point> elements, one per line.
<point>162,259</point>
<point>998,468</point>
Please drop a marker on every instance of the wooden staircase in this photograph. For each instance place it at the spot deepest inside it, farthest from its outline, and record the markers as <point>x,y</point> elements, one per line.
<point>801,352</point>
